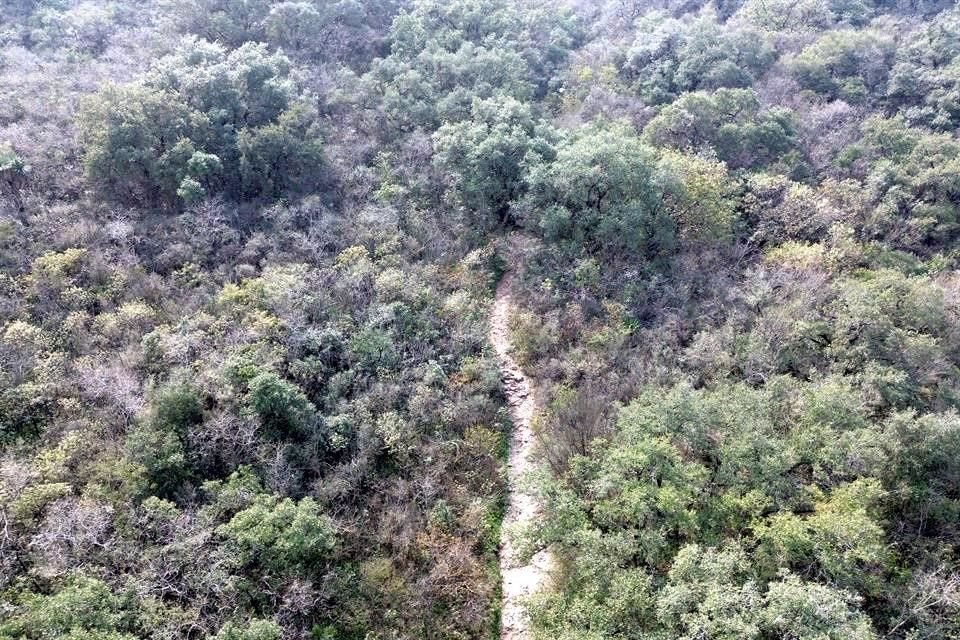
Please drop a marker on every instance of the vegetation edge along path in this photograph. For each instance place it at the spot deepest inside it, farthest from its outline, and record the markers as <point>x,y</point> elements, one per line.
<point>519,579</point>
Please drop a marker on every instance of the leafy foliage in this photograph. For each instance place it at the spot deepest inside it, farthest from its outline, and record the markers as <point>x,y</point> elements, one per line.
<point>83,608</point>
<point>923,79</point>
<point>247,255</point>
<point>672,56</point>
<point>600,191</point>
<point>280,534</point>
<point>848,65</point>
<point>446,54</point>
<point>491,153</point>
<point>731,123</point>
<point>206,121</point>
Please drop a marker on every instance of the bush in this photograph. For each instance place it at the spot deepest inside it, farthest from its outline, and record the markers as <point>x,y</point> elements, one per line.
<point>282,407</point>
<point>206,121</point>
<point>281,535</point>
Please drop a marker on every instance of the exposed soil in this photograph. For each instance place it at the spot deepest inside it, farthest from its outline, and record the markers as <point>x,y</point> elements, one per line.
<point>519,580</point>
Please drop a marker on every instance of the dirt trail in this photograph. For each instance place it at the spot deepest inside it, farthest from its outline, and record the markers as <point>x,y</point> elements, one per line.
<point>519,581</point>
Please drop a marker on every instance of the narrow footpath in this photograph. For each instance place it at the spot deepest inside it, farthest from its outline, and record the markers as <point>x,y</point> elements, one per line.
<point>519,580</point>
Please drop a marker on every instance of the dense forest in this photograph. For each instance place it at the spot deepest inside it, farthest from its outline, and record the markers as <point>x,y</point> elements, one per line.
<point>248,255</point>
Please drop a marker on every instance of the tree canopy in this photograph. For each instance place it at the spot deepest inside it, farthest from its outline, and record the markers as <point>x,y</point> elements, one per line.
<point>261,262</point>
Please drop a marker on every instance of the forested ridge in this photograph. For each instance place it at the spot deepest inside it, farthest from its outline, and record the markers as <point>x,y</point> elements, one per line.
<point>248,256</point>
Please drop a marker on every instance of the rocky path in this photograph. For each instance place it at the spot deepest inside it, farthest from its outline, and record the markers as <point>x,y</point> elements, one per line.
<point>519,580</point>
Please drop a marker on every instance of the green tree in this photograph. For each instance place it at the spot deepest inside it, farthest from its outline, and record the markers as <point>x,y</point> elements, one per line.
<point>490,154</point>
<point>697,500</point>
<point>347,30</point>
<point>711,593</point>
<point>924,83</point>
<point>137,142</point>
<point>809,611</point>
<point>232,23</point>
<point>807,16</point>
<point>913,175</point>
<point>698,195</point>
<point>842,539</point>
<point>731,123</point>
<point>293,25</point>
<point>601,192</point>
<point>252,630</point>
<point>205,121</point>
<point>282,406</point>
<point>159,443</point>
<point>921,476</point>
<point>83,607</point>
<point>670,56</point>
<point>849,65</point>
<point>280,534</point>
<point>282,156</point>
<point>445,54</point>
